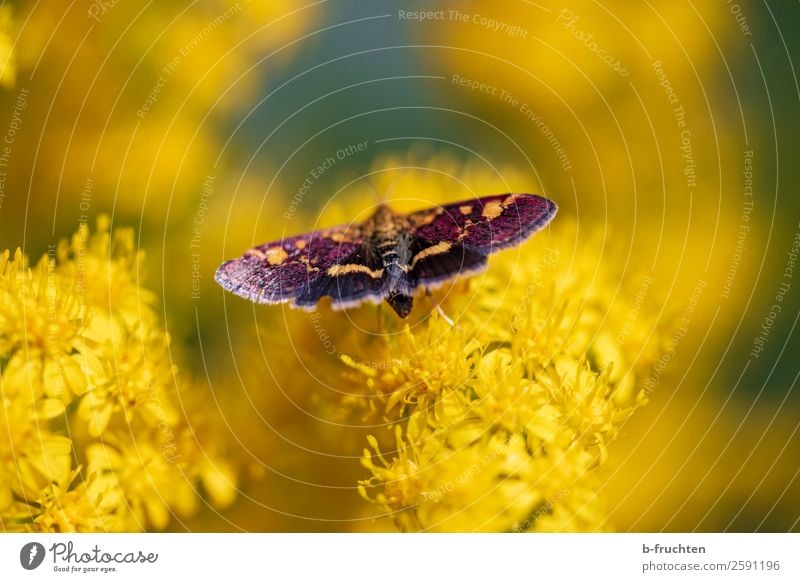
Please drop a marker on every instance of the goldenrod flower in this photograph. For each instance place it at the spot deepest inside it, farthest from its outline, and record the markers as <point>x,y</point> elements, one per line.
<point>31,455</point>
<point>41,316</point>
<point>143,480</point>
<point>510,411</point>
<point>83,507</point>
<point>86,373</point>
<point>501,421</point>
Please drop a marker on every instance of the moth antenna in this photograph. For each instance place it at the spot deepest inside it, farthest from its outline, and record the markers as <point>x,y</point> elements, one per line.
<point>360,177</point>
<point>378,196</point>
<point>390,191</point>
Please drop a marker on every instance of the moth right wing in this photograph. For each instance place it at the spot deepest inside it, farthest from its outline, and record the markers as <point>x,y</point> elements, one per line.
<point>455,239</point>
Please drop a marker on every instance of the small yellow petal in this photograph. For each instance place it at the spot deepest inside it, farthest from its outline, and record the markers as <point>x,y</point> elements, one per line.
<point>50,408</point>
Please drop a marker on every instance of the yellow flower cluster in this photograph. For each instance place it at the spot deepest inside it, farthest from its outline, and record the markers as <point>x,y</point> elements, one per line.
<point>502,420</point>
<point>92,437</point>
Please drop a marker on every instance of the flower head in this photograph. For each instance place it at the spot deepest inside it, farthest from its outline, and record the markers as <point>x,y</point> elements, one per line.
<point>502,420</point>
<point>87,376</point>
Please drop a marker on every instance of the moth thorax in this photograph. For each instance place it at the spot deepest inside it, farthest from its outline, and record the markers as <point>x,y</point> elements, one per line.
<point>401,249</point>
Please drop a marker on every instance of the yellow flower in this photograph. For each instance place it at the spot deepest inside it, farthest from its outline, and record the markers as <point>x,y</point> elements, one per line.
<point>502,421</point>
<point>84,507</point>
<point>31,454</point>
<point>490,453</point>
<point>41,316</point>
<point>87,376</point>
<point>145,481</point>
<point>107,271</point>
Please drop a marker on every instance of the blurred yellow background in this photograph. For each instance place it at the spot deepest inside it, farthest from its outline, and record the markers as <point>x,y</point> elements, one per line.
<point>663,130</point>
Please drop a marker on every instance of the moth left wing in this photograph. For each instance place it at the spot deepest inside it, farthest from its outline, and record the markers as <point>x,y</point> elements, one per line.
<point>456,238</point>
<point>485,224</point>
<point>303,268</point>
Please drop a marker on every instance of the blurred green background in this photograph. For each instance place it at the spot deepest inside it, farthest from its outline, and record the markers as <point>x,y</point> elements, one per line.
<point>132,109</point>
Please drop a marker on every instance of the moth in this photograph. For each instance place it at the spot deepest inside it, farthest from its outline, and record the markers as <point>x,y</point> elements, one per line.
<point>387,257</point>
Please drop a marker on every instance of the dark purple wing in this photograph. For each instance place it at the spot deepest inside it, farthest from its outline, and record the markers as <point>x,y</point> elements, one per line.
<point>303,268</point>
<point>484,224</point>
<point>456,238</point>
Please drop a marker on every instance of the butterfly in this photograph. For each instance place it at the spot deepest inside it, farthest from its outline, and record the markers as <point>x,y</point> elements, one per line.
<point>387,257</point>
